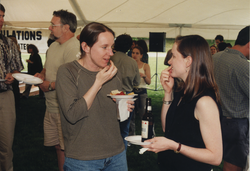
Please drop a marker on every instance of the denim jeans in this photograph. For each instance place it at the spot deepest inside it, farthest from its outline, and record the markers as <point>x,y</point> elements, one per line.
<point>124,128</point>
<point>114,163</point>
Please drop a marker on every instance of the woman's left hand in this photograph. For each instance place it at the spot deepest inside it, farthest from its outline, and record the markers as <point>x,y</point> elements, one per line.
<point>130,105</point>
<point>159,144</point>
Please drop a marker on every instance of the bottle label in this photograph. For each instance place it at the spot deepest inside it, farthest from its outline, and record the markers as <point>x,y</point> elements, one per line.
<point>144,129</point>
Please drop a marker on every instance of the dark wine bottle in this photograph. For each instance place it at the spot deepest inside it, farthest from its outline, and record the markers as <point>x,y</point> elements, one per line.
<point>147,125</point>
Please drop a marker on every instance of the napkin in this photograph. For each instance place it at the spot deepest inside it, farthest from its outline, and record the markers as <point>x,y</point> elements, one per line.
<point>123,109</point>
<point>142,150</point>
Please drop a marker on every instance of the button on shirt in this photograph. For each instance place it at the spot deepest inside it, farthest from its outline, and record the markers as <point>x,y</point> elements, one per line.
<point>231,70</point>
<point>9,60</point>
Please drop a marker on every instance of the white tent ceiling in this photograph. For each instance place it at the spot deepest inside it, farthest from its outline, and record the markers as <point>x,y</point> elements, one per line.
<point>138,17</point>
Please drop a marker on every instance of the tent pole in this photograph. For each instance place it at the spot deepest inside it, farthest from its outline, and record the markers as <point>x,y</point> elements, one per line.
<point>156,74</point>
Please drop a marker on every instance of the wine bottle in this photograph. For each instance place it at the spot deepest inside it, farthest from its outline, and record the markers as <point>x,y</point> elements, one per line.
<point>147,125</point>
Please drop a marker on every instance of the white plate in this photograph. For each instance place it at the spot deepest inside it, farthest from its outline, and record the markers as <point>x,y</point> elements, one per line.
<point>122,96</point>
<point>26,78</point>
<point>136,139</point>
<point>2,80</point>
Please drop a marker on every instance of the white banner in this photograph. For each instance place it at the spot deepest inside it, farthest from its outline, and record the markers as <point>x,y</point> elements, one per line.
<point>27,36</point>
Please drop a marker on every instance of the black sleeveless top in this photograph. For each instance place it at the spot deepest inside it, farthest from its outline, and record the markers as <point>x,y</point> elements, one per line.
<point>182,126</point>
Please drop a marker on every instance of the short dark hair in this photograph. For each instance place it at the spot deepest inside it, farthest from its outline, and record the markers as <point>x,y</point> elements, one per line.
<point>33,47</point>
<point>90,34</point>
<point>67,18</point>
<point>243,36</point>
<point>123,43</point>
<point>219,37</point>
<point>2,8</point>
<point>222,46</point>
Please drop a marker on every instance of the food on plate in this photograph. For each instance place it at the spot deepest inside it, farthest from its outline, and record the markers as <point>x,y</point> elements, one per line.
<point>117,92</point>
<point>114,92</point>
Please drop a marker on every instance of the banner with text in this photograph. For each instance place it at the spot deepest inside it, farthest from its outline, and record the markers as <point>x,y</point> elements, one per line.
<point>28,36</point>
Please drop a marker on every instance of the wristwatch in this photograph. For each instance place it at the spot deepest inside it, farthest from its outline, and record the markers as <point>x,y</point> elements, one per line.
<point>50,88</point>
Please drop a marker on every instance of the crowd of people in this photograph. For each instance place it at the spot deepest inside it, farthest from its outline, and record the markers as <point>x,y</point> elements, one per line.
<point>204,112</point>
<point>219,45</point>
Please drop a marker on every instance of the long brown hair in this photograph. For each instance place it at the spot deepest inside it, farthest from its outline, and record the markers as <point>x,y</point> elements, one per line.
<point>201,73</point>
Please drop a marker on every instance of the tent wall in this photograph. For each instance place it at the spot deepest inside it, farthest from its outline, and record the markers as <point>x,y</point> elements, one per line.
<point>138,17</point>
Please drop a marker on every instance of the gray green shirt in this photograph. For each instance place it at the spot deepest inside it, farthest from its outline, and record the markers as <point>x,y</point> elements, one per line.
<point>231,70</point>
<point>129,70</point>
<point>88,134</point>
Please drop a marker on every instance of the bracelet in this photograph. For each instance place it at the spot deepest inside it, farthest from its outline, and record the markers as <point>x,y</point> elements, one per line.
<point>178,149</point>
<point>167,102</point>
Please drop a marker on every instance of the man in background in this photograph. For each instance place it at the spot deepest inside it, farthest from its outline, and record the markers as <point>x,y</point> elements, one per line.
<point>129,71</point>
<point>218,39</point>
<point>232,76</point>
<point>10,62</point>
<point>64,49</point>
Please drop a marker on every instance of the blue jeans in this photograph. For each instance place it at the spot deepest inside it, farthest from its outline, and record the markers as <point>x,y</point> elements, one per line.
<point>114,163</point>
<point>124,128</point>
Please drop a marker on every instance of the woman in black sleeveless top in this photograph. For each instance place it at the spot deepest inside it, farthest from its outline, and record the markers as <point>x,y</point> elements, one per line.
<point>191,114</point>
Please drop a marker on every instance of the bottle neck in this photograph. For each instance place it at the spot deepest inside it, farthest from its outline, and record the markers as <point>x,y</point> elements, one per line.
<point>148,105</point>
<point>149,108</point>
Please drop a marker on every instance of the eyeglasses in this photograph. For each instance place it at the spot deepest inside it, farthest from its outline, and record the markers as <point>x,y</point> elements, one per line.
<point>54,25</point>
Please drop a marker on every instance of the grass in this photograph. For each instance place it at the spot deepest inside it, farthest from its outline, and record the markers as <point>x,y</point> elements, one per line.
<point>147,161</point>
<point>29,152</point>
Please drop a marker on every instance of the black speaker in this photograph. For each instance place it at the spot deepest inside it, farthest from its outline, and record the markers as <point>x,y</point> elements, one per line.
<point>157,41</point>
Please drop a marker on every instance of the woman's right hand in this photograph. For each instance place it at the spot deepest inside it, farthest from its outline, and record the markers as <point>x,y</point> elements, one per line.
<point>167,81</point>
<point>102,77</point>
<point>106,73</point>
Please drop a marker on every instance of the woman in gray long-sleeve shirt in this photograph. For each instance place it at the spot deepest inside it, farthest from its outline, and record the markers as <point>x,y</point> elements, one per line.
<point>89,121</point>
